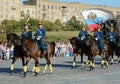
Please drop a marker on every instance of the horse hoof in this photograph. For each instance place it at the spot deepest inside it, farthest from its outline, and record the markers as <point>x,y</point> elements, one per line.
<point>91,68</point>
<point>11,73</point>
<point>50,71</point>
<point>43,72</point>
<point>102,66</point>
<point>72,67</point>
<point>24,74</point>
<point>111,63</point>
<point>36,74</point>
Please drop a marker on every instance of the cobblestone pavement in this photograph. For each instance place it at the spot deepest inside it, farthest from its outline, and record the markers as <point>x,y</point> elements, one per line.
<point>62,73</point>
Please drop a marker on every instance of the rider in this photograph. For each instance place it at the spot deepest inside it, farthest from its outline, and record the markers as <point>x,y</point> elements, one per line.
<point>111,36</point>
<point>98,37</point>
<point>82,35</point>
<point>40,35</point>
<point>27,33</point>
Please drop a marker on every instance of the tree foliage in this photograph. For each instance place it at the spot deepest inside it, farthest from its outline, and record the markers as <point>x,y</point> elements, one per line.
<point>17,26</point>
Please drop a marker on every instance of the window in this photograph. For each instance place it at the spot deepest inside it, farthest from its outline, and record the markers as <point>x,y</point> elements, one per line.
<point>6,16</point>
<point>32,12</point>
<point>13,8</point>
<point>38,11</point>
<point>13,1</point>
<point>48,7</point>
<point>52,7</point>
<point>39,5</point>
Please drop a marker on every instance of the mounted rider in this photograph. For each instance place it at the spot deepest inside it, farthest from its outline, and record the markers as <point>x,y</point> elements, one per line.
<point>27,33</point>
<point>98,35</point>
<point>111,36</point>
<point>40,36</point>
<point>82,35</point>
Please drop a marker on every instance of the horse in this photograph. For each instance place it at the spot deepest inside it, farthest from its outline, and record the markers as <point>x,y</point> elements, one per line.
<point>31,48</point>
<point>92,44</point>
<point>80,49</point>
<point>111,23</point>
<point>14,40</point>
<point>117,48</point>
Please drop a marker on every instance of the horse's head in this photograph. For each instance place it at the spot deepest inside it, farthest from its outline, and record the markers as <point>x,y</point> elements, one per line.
<point>74,41</point>
<point>111,23</point>
<point>13,39</point>
<point>90,41</point>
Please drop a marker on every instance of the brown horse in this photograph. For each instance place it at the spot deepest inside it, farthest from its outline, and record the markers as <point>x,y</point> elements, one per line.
<point>91,42</point>
<point>23,51</point>
<point>80,49</point>
<point>31,48</point>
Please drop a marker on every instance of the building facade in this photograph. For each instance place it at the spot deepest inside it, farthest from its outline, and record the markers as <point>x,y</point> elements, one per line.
<point>9,9</point>
<point>46,9</point>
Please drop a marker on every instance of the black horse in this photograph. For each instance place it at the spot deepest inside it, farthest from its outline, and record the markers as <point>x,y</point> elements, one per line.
<point>117,49</point>
<point>92,44</point>
<point>111,23</point>
<point>80,49</point>
<point>14,40</point>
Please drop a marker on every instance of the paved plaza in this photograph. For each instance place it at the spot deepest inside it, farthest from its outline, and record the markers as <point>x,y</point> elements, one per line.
<point>62,73</point>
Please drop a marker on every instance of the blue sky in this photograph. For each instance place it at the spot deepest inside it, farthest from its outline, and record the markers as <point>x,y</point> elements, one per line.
<point>113,3</point>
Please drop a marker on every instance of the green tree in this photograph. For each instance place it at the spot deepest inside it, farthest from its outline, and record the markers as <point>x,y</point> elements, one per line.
<point>58,25</point>
<point>74,23</point>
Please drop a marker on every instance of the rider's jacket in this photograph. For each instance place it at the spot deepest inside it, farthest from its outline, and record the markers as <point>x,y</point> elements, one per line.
<point>111,36</point>
<point>40,34</point>
<point>98,35</point>
<point>82,34</point>
<point>26,34</point>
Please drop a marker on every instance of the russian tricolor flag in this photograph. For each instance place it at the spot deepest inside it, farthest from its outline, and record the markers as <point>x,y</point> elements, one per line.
<point>94,16</point>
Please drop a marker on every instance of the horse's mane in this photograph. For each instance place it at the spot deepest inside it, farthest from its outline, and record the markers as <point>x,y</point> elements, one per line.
<point>91,37</point>
<point>13,34</point>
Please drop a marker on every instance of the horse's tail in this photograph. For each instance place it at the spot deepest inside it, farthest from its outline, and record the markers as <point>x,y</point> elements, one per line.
<point>53,43</point>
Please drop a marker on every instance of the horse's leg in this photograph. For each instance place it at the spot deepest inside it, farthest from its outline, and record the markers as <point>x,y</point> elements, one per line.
<point>88,61</point>
<point>118,57</point>
<point>12,65</point>
<point>91,62</point>
<point>25,65</point>
<point>37,67</point>
<point>107,56</point>
<point>46,57</point>
<point>112,60</point>
<point>102,63</point>
<point>23,61</point>
<point>82,63</point>
<point>74,61</point>
<point>49,63</point>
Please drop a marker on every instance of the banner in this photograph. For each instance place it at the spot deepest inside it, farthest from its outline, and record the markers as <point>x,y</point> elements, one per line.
<point>94,16</point>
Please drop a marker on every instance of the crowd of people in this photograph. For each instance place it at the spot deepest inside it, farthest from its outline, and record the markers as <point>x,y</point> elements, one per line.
<point>6,53</point>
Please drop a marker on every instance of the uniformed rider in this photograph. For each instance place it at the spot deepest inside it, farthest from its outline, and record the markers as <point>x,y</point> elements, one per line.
<point>98,35</point>
<point>40,35</point>
<point>27,33</point>
<point>82,35</point>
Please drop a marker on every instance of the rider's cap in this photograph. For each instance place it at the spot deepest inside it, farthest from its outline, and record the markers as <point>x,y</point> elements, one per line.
<point>26,24</point>
<point>40,22</point>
